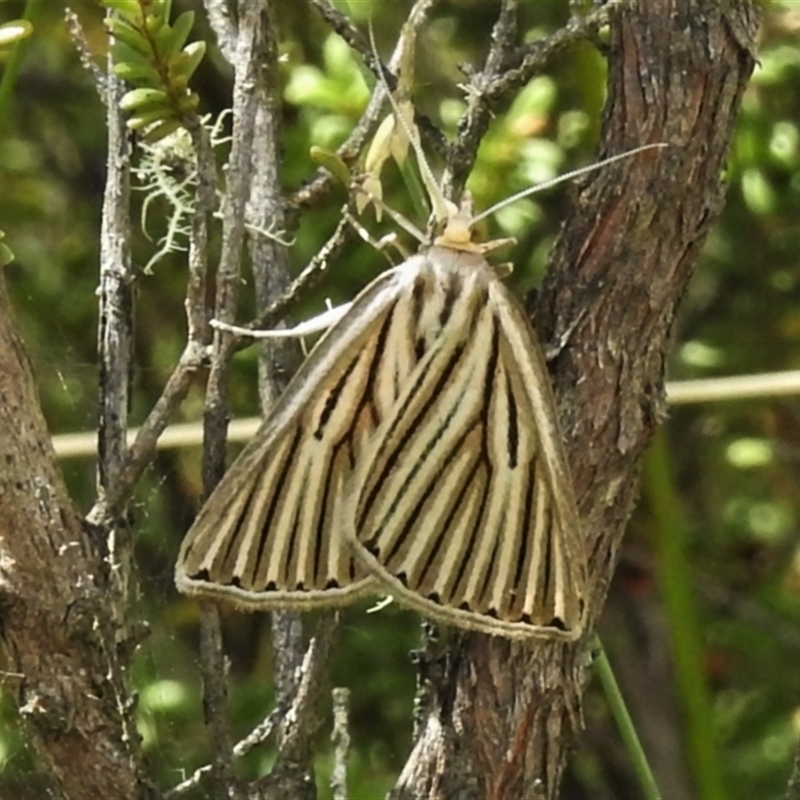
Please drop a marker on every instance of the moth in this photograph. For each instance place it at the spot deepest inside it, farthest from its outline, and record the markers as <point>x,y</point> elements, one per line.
<point>416,453</point>
<point>418,444</point>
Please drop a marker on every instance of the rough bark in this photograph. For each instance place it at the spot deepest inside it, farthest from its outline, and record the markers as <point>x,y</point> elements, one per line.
<point>52,584</point>
<point>504,716</point>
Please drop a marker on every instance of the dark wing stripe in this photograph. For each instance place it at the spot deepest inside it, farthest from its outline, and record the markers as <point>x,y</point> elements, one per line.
<point>389,462</point>
<point>421,417</point>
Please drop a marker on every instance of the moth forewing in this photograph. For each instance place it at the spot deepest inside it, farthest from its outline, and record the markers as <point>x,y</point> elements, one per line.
<point>269,535</point>
<point>463,506</point>
<point>569,578</point>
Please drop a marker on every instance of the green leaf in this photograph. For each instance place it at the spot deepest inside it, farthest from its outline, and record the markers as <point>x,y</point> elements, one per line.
<point>137,73</point>
<point>186,62</point>
<point>130,36</point>
<point>15,31</point>
<point>145,98</point>
<point>179,33</point>
<point>162,129</point>
<point>145,118</point>
<point>188,103</point>
<point>154,23</point>
<point>164,8</point>
<point>129,9</point>
<point>6,255</point>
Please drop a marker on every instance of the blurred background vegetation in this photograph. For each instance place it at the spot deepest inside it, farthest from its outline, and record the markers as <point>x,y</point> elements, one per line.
<point>703,622</point>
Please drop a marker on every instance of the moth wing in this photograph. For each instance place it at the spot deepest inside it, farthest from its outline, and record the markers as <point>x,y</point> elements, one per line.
<point>465,507</point>
<point>269,535</point>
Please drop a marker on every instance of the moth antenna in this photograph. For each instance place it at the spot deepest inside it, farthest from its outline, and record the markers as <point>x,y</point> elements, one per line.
<point>405,224</point>
<point>443,210</point>
<point>568,176</point>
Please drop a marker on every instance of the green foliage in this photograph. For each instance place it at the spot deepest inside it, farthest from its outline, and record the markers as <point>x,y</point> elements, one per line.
<point>14,31</point>
<point>152,55</point>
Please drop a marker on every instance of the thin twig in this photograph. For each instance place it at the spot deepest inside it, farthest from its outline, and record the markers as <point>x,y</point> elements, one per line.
<point>85,51</point>
<point>256,737</point>
<point>309,681</point>
<point>706,390</point>
<point>115,353</point>
<point>143,449</point>
<point>476,120</point>
<point>224,27</point>
<point>141,453</point>
<point>319,188</point>
<point>341,24</point>
<point>204,207</point>
<point>301,720</point>
<point>530,58</point>
<point>215,411</point>
<point>215,696</point>
<point>340,737</point>
<point>502,75</point>
<point>305,280</point>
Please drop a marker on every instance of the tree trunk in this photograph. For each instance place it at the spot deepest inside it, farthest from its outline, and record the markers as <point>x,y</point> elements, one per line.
<point>60,654</point>
<point>503,716</point>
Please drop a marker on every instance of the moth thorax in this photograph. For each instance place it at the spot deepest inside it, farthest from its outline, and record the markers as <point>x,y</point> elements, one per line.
<point>457,232</point>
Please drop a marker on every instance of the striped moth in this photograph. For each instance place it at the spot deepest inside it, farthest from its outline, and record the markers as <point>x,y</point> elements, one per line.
<point>415,453</point>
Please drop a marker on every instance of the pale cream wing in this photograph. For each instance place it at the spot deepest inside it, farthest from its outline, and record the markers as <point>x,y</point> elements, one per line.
<point>465,507</point>
<point>270,535</point>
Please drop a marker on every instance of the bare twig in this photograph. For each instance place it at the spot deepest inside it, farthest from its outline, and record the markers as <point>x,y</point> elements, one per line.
<point>289,777</point>
<point>215,414</point>
<point>295,717</point>
<point>115,349</point>
<point>256,737</point>
<point>142,451</point>
<point>529,59</point>
<point>85,52</point>
<point>341,24</point>
<point>215,695</point>
<point>341,742</point>
<point>224,27</point>
<point>277,359</point>
<point>205,203</point>
<point>115,336</point>
<point>477,117</point>
<point>350,150</point>
<point>503,74</point>
<point>301,721</point>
